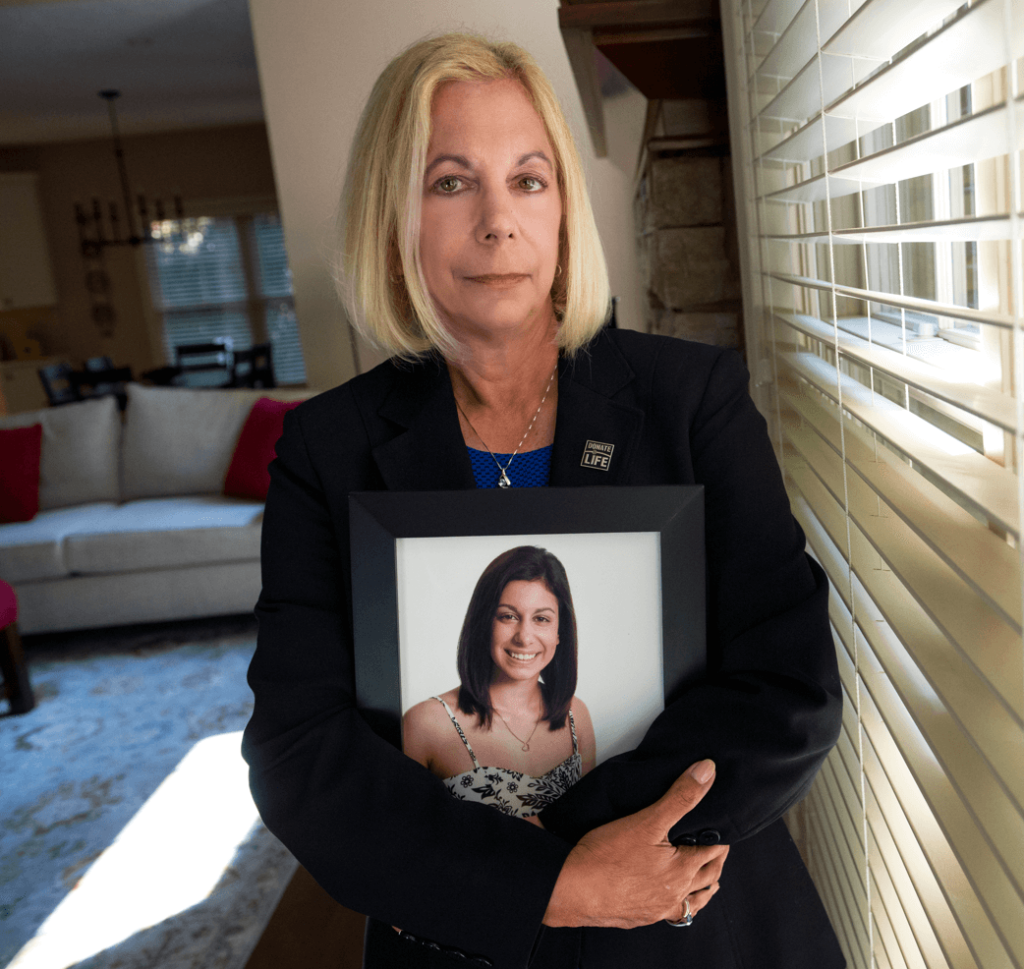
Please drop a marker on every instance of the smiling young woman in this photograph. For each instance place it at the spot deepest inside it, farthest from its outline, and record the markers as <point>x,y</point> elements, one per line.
<point>507,719</point>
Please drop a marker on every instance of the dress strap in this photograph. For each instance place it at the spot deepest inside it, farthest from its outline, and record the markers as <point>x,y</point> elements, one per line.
<point>572,727</point>
<point>458,727</point>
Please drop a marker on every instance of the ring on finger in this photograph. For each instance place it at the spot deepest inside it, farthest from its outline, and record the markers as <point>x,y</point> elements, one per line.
<point>687,918</point>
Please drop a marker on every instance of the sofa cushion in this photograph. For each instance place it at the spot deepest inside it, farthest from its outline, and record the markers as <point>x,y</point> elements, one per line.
<point>157,533</point>
<point>35,549</point>
<point>247,474</point>
<point>149,595</point>
<point>20,449</point>
<point>179,441</point>
<point>78,464</point>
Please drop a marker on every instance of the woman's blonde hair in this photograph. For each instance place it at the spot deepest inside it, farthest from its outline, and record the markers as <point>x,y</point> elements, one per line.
<point>380,275</point>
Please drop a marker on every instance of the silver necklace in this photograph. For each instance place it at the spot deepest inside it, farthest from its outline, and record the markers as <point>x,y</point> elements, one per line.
<point>504,481</point>
<point>526,742</point>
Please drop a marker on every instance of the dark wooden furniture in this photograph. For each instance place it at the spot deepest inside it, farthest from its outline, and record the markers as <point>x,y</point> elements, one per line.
<point>667,49</point>
<point>254,367</point>
<point>17,689</point>
<point>56,382</point>
<point>205,364</point>
<point>310,929</point>
<point>100,382</point>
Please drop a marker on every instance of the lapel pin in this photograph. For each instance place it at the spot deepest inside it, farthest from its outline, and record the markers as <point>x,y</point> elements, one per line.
<point>597,455</point>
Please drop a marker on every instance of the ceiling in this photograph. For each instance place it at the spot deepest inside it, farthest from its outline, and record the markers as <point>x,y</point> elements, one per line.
<point>178,64</point>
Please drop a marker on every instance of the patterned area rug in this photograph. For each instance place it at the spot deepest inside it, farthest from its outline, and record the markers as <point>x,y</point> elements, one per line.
<point>127,835</point>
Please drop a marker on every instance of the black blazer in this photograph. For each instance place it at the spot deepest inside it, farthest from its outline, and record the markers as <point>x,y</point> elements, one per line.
<point>380,833</point>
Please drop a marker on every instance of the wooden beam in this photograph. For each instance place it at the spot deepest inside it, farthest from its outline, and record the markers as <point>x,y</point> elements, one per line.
<point>650,126</point>
<point>695,31</point>
<point>682,142</point>
<point>579,45</point>
<point>638,13</point>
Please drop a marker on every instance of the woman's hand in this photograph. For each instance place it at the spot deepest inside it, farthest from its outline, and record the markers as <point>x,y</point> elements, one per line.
<point>627,873</point>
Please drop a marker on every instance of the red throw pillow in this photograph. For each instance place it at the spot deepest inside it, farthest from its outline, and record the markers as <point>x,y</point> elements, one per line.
<point>20,450</point>
<point>248,476</point>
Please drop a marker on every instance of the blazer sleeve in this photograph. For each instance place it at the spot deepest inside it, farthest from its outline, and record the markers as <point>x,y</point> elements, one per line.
<point>378,831</point>
<point>769,708</point>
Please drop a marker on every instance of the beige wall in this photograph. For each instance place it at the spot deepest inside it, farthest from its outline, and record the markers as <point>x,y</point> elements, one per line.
<point>203,164</point>
<point>318,60</point>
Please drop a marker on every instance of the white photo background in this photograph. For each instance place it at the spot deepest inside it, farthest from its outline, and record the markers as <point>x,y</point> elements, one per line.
<point>615,579</point>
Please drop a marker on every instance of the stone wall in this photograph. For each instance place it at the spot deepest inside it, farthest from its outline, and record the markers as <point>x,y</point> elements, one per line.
<point>689,259</point>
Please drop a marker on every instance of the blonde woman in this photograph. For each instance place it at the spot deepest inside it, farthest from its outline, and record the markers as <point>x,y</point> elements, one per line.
<point>471,256</point>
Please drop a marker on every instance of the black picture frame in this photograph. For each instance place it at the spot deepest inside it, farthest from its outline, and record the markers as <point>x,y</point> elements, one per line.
<point>378,520</point>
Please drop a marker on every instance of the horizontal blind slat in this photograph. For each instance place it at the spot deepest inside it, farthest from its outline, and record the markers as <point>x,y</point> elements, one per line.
<point>949,748</point>
<point>978,631</point>
<point>798,44</point>
<point>824,880</point>
<point>961,142</point>
<point>845,821</point>
<point>900,911</point>
<point>816,82</point>
<point>981,483</point>
<point>988,228</point>
<point>978,556</point>
<point>805,142</point>
<point>929,307</point>
<point>987,907</point>
<point>886,938</point>
<point>917,648</point>
<point>990,405</point>
<point>882,28</point>
<point>849,894</point>
<point>957,54</point>
<point>899,844</point>
<point>777,15</point>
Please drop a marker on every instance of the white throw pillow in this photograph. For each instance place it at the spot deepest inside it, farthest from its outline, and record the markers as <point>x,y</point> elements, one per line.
<point>179,441</point>
<point>78,463</point>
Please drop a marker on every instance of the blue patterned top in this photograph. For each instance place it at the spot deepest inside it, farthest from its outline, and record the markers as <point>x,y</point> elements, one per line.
<point>530,469</point>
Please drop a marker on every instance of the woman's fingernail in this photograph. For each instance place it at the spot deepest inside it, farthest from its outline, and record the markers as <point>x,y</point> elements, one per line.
<point>702,771</point>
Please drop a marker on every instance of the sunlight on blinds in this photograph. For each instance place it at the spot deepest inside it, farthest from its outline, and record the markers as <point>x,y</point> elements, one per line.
<point>215,277</point>
<point>877,147</point>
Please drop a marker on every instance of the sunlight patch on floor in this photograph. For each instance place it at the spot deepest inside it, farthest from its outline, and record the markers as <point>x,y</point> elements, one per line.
<point>169,857</point>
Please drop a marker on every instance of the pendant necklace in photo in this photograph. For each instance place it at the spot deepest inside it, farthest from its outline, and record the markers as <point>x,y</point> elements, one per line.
<point>504,481</point>
<point>526,742</point>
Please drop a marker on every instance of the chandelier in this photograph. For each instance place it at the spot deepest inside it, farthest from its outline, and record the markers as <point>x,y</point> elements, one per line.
<point>101,225</point>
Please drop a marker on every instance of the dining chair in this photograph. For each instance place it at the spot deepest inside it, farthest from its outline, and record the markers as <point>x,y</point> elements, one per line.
<point>208,364</point>
<point>55,378</point>
<point>16,688</point>
<point>95,382</point>
<point>254,367</point>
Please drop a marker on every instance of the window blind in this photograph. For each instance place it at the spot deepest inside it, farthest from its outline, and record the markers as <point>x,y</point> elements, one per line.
<point>275,285</point>
<point>877,147</point>
<point>216,277</point>
<point>198,283</point>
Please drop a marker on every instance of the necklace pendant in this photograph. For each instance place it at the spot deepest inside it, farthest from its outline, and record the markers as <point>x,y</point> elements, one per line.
<point>503,481</point>
<point>526,746</point>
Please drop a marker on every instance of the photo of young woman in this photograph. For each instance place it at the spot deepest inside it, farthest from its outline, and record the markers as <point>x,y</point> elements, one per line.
<point>512,735</point>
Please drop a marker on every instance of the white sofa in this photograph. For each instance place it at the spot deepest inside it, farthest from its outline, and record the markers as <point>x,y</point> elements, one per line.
<point>133,526</point>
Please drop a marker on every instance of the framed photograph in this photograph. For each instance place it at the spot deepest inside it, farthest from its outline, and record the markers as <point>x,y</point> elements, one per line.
<point>420,558</point>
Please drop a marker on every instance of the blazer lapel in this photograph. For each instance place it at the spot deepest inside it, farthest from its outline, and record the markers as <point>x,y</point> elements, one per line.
<point>596,437</point>
<point>429,454</point>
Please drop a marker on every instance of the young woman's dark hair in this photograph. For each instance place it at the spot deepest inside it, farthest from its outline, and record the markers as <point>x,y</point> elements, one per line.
<point>526,563</point>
